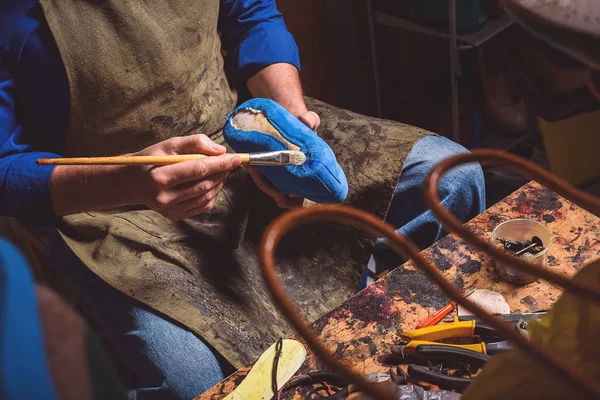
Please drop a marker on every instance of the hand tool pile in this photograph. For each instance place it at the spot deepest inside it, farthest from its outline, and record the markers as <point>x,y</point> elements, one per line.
<point>336,387</point>
<point>448,355</point>
<point>439,359</point>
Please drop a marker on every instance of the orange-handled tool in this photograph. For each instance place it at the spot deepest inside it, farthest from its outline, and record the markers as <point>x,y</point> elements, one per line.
<point>440,314</point>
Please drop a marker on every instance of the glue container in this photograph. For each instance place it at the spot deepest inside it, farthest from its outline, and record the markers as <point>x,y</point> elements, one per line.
<point>521,230</point>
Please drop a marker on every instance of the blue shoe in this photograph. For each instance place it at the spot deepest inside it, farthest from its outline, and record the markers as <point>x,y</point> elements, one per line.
<point>261,125</point>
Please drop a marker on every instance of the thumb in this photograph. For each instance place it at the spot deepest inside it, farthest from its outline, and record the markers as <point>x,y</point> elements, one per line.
<point>310,119</point>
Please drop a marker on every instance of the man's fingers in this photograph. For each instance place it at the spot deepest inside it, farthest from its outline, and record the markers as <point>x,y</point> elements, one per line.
<point>289,203</point>
<point>187,171</point>
<point>193,144</point>
<point>200,200</point>
<point>194,189</point>
<point>293,201</point>
<point>196,211</point>
<point>179,194</point>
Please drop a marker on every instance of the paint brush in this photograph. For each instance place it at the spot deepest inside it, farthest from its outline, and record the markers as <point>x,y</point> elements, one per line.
<point>283,157</point>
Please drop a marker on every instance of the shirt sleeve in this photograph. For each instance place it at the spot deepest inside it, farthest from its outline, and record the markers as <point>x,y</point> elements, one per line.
<point>255,36</point>
<point>24,185</point>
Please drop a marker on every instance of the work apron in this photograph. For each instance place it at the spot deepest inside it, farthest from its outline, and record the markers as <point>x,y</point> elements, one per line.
<point>143,71</point>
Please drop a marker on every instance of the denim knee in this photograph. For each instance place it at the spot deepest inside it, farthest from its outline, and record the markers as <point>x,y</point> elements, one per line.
<point>461,191</point>
<point>464,184</point>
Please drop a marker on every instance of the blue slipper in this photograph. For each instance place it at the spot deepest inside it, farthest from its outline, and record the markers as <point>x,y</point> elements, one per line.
<point>260,125</point>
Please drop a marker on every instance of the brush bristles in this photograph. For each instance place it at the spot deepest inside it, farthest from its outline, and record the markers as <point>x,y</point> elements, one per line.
<point>297,158</point>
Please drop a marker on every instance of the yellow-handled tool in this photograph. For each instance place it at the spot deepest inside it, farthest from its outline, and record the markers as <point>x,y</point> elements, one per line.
<point>456,329</point>
<point>442,331</point>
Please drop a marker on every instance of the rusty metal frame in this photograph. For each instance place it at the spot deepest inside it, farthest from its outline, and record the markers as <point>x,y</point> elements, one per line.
<point>401,244</point>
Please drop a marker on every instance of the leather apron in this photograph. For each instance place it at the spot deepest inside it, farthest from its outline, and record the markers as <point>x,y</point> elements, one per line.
<point>142,71</point>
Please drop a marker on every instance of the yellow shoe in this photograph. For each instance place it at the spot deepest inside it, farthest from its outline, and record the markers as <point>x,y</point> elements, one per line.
<point>258,383</point>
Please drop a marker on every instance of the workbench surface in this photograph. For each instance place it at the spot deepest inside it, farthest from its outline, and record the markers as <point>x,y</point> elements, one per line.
<point>362,330</point>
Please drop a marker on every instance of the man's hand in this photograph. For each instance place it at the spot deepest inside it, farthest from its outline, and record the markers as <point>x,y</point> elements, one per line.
<point>281,82</point>
<point>177,191</point>
<point>189,188</point>
<point>310,119</point>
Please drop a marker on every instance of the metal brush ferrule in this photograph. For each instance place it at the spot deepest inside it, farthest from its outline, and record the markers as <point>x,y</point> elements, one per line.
<point>281,157</point>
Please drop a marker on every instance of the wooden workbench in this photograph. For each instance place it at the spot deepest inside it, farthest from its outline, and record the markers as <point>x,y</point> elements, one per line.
<point>362,330</point>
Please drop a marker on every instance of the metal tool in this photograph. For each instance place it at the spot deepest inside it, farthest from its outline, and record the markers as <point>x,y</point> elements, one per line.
<point>535,245</point>
<point>512,318</point>
<point>536,242</point>
<point>490,339</point>
<point>466,360</point>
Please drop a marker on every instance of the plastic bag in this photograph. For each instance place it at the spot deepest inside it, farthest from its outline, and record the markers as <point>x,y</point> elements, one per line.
<point>414,392</point>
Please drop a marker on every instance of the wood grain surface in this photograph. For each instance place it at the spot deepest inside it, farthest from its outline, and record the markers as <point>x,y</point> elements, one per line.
<point>362,330</point>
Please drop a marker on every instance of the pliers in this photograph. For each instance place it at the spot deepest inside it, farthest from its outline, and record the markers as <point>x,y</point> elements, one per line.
<point>467,362</point>
<point>468,358</point>
<point>490,340</point>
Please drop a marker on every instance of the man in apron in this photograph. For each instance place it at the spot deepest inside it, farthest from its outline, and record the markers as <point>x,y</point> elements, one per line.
<point>165,257</point>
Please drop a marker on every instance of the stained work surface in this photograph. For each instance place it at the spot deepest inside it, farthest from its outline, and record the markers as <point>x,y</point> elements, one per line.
<point>362,330</point>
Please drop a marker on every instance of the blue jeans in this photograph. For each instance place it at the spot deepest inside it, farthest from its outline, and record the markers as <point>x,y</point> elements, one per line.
<point>171,362</point>
<point>461,190</point>
<point>168,360</point>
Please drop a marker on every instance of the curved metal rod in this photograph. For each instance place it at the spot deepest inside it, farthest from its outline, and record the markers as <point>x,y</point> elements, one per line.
<point>578,287</point>
<point>368,223</point>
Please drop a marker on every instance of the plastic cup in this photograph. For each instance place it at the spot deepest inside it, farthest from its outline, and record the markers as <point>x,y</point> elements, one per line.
<point>522,230</point>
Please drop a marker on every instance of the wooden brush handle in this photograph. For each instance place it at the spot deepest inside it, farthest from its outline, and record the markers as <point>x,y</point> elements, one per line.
<point>129,160</point>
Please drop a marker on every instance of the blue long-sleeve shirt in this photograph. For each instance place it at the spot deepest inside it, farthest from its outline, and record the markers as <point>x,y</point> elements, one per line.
<point>34,95</point>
